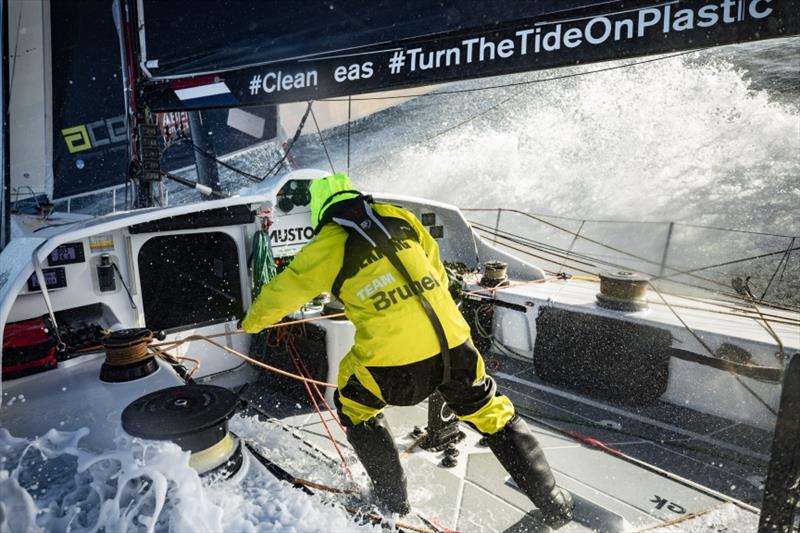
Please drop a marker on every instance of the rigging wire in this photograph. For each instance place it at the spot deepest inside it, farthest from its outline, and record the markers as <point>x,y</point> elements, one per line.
<point>213,157</point>
<point>571,245</point>
<point>349,116</point>
<point>292,142</point>
<point>473,117</point>
<point>775,318</point>
<point>785,259</point>
<point>252,177</point>
<point>748,293</point>
<point>617,250</point>
<point>552,250</point>
<point>613,221</point>
<point>728,263</point>
<point>322,141</point>
<point>573,266</point>
<point>705,346</point>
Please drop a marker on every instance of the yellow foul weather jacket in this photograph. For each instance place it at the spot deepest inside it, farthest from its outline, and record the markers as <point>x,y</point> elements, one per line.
<point>391,325</point>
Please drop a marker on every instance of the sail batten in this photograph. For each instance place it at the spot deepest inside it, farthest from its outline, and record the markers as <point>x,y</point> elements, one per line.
<point>421,44</point>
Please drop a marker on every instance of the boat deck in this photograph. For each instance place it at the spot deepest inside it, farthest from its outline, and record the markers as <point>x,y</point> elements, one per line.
<point>628,468</point>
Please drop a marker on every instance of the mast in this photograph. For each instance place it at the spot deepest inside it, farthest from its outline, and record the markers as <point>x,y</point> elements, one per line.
<point>144,153</point>
<point>204,154</point>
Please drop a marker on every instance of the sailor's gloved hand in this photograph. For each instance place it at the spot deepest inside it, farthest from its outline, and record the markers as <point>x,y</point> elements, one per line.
<point>248,325</point>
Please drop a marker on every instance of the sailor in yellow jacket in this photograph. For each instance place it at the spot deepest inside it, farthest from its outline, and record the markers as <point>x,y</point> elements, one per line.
<point>395,294</point>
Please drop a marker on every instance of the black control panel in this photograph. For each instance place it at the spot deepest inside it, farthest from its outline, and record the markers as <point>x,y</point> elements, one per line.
<point>67,254</point>
<point>55,278</point>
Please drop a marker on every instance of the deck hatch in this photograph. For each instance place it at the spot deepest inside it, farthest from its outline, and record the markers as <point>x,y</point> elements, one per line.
<point>189,279</point>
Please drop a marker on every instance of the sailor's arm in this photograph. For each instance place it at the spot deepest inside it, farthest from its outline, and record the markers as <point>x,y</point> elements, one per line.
<point>311,272</point>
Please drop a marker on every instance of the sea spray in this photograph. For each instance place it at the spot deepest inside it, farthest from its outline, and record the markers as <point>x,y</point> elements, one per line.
<point>52,484</point>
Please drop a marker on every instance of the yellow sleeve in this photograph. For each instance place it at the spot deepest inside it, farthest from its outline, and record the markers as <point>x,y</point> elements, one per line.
<point>312,271</point>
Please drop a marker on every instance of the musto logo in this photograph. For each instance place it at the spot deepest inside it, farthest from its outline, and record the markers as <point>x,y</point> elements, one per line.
<point>290,235</point>
<point>95,134</point>
<point>383,299</point>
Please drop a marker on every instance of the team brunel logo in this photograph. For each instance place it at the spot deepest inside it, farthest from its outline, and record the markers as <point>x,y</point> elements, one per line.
<point>382,299</point>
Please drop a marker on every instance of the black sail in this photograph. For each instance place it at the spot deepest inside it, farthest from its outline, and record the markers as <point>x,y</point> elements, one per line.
<point>232,53</point>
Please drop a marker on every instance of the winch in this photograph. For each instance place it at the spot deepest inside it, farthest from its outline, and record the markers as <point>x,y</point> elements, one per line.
<point>623,291</point>
<point>127,357</point>
<point>494,274</point>
<point>195,417</point>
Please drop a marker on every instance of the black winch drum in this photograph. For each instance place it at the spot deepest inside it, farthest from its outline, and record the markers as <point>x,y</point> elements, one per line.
<point>623,291</point>
<point>127,344</point>
<point>195,417</point>
<point>494,273</point>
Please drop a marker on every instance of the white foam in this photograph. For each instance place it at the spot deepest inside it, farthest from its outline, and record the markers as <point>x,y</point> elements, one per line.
<point>51,484</point>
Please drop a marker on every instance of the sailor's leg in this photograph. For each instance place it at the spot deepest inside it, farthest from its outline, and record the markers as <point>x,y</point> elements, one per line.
<point>473,397</point>
<point>360,405</point>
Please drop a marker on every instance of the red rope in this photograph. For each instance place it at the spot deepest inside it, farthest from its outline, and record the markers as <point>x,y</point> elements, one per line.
<point>301,369</point>
<point>321,395</point>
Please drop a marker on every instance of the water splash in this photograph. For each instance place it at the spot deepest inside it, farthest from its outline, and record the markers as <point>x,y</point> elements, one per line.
<point>51,484</point>
<point>674,140</point>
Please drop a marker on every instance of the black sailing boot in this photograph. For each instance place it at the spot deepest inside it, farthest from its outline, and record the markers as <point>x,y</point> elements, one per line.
<point>373,442</point>
<point>520,454</point>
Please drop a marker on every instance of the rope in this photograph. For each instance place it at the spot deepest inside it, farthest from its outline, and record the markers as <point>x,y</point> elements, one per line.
<point>546,248</point>
<point>737,311</point>
<point>405,453</point>
<point>249,359</point>
<point>572,244</point>
<point>172,344</point>
<point>262,266</point>
<point>176,360</point>
<point>477,292</point>
<point>728,263</point>
<point>128,354</point>
<point>642,464</point>
<point>193,360</point>
<point>326,488</point>
<point>248,175</point>
<point>375,517</point>
<point>303,371</point>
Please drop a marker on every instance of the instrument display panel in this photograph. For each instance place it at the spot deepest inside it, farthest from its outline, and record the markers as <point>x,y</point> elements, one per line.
<point>55,278</point>
<point>67,254</point>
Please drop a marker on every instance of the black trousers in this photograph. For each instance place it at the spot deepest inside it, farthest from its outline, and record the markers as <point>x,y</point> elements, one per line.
<point>472,395</point>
